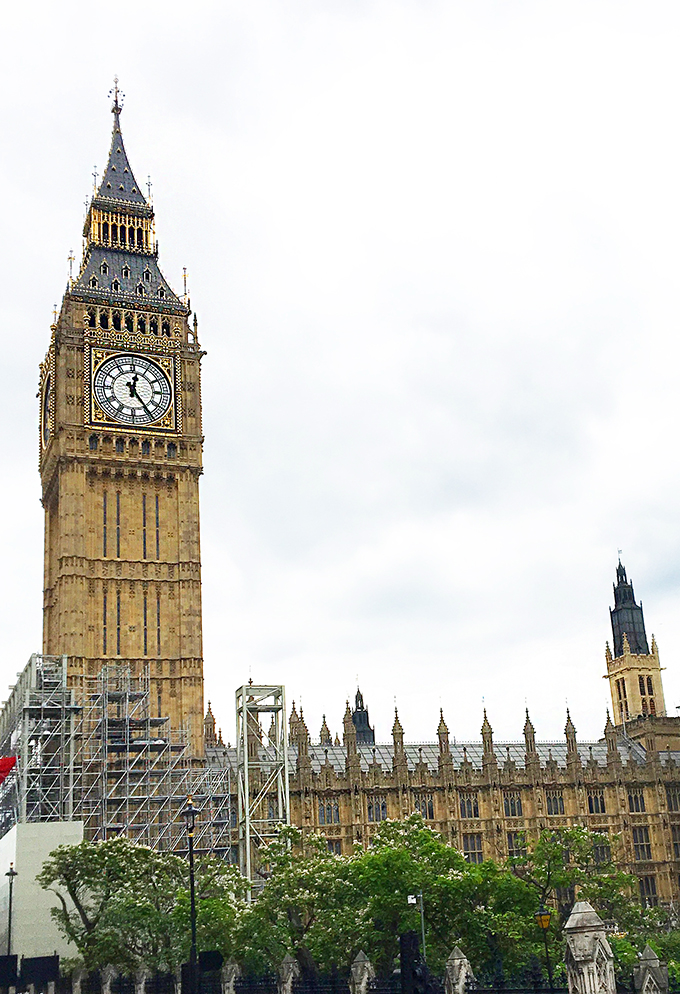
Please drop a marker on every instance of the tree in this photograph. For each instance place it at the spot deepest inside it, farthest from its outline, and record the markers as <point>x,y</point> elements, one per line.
<point>127,905</point>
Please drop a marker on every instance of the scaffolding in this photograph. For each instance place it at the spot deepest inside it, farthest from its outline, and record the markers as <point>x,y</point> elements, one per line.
<point>263,799</point>
<point>38,725</point>
<point>100,756</point>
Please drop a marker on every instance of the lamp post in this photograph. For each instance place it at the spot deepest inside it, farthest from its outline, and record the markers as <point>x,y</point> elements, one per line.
<point>189,815</point>
<point>413,899</point>
<point>542,917</point>
<point>11,873</point>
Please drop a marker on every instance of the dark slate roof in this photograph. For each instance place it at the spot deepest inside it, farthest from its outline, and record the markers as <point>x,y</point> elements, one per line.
<point>116,260</point>
<point>118,182</point>
<point>628,750</point>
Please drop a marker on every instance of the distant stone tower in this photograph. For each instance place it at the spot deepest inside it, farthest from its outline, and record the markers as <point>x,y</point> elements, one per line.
<point>120,459</point>
<point>633,670</point>
<point>365,734</point>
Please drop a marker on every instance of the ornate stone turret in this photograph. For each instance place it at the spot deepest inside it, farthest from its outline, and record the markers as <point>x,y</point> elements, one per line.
<point>443,735</point>
<point>573,758</point>
<point>209,728</point>
<point>399,761</point>
<point>325,737</point>
<point>589,959</point>
<point>488,755</point>
<point>612,742</point>
<point>301,739</point>
<point>349,736</point>
<point>397,735</point>
<point>531,760</point>
<point>292,722</point>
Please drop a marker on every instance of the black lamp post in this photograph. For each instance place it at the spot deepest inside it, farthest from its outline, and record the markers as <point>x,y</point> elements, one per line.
<point>11,873</point>
<point>542,917</point>
<point>189,815</point>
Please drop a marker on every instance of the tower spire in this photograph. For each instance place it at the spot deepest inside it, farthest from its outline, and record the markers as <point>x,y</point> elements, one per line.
<point>626,617</point>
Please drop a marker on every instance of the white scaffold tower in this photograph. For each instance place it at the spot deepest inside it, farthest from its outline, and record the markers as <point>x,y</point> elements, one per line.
<point>263,797</point>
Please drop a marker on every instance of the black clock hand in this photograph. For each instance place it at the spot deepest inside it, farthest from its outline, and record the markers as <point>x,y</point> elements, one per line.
<point>135,394</point>
<point>132,385</point>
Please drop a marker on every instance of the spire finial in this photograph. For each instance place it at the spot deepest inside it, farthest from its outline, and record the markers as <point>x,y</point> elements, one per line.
<point>71,260</point>
<point>118,96</point>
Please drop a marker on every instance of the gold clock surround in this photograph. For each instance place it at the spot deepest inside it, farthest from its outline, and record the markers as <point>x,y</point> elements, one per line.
<point>96,417</point>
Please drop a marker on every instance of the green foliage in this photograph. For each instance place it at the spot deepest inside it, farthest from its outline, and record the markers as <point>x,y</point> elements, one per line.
<point>127,905</point>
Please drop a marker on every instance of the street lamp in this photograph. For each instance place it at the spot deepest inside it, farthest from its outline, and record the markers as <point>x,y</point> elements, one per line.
<point>11,873</point>
<point>413,899</point>
<point>189,815</point>
<point>542,917</point>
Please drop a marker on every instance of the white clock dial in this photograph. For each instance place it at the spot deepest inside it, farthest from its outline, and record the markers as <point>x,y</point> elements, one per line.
<point>132,389</point>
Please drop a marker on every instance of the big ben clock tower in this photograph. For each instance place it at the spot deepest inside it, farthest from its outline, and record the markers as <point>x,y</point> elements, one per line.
<point>120,459</point>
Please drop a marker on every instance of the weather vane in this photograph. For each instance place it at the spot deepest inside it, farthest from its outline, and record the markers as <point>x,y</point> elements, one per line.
<point>94,177</point>
<point>148,187</point>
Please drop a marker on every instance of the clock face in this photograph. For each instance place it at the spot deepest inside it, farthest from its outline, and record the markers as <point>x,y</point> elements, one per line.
<point>132,389</point>
<point>45,418</point>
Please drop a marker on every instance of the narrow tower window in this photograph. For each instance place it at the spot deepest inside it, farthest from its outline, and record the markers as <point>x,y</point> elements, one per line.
<point>118,622</point>
<point>145,626</point>
<point>158,529</point>
<point>114,232</point>
<point>104,613</point>
<point>140,238</point>
<point>166,327</point>
<point>125,272</point>
<point>641,681</point>
<point>141,325</point>
<point>650,686</point>
<point>129,323</point>
<point>146,448</point>
<point>158,624</point>
<point>104,553</point>
<point>144,550</point>
<point>92,318</point>
<point>118,524</point>
<point>94,441</point>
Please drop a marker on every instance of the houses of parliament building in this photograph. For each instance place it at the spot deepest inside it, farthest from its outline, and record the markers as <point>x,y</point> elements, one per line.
<point>121,440</point>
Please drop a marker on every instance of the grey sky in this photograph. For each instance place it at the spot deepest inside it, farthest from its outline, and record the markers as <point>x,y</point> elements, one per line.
<point>433,251</point>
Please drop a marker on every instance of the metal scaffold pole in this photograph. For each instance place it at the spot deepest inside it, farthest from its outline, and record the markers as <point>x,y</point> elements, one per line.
<point>262,775</point>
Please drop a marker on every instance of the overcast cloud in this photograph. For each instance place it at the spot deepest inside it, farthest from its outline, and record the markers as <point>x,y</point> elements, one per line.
<point>434,253</point>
